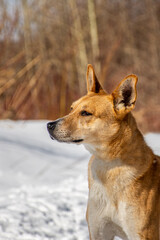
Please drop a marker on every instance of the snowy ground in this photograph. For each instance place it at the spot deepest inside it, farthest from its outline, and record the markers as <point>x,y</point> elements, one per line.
<point>43,184</point>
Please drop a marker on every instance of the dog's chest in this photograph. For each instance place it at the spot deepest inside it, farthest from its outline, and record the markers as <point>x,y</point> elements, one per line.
<point>107,205</point>
<point>103,201</point>
<point>104,214</point>
<point>101,204</point>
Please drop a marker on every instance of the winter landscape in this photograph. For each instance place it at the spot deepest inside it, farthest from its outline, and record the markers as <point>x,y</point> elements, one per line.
<point>43,184</point>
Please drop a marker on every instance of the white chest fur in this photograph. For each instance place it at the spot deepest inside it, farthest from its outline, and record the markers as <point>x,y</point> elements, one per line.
<point>107,215</point>
<point>101,205</point>
<point>103,215</point>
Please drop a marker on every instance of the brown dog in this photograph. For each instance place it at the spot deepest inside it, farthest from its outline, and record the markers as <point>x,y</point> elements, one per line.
<point>123,173</point>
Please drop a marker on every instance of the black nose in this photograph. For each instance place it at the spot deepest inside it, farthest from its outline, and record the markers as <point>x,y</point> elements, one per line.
<point>51,125</point>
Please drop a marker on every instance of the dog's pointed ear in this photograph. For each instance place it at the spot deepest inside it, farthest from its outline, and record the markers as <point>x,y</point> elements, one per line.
<point>93,84</point>
<point>124,96</point>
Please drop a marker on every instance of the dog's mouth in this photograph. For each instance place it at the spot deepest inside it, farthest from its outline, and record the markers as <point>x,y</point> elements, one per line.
<point>77,140</point>
<point>51,137</point>
<point>67,141</point>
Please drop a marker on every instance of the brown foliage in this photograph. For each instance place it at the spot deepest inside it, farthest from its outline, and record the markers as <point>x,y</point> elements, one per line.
<point>46,46</point>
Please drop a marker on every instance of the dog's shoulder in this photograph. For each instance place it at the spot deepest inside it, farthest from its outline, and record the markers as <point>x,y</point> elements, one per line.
<point>155,171</point>
<point>157,163</point>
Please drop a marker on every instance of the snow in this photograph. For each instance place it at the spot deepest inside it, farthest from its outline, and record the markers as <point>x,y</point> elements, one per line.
<point>43,184</point>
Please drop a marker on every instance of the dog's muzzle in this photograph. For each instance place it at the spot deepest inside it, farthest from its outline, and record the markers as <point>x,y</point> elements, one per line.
<point>63,138</point>
<point>51,126</point>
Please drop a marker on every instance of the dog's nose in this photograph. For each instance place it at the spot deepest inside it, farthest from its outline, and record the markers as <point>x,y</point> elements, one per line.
<point>51,125</point>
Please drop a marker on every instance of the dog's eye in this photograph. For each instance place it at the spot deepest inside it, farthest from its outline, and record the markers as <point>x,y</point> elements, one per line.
<point>71,108</point>
<point>85,113</point>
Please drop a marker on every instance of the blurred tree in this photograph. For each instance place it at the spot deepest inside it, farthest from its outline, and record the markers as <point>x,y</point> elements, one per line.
<point>46,46</point>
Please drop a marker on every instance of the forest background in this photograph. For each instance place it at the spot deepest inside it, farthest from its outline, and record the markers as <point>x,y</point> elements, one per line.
<point>45,46</point>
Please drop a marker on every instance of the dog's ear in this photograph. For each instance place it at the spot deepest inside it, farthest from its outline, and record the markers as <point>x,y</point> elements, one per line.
<point>93,84</point>
<point>124,96</point>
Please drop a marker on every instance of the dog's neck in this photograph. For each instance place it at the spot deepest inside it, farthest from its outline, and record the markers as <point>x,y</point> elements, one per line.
<point>127,145</point>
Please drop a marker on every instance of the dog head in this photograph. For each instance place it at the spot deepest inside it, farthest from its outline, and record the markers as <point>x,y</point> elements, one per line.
<point>97,116</point>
